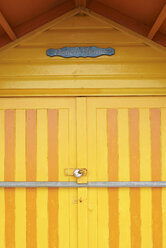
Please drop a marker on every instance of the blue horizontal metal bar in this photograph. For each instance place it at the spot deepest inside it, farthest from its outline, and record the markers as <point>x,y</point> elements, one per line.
<point>130,184</point>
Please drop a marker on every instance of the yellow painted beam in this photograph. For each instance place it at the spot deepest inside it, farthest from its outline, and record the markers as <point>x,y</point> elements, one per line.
<point>84,92</point>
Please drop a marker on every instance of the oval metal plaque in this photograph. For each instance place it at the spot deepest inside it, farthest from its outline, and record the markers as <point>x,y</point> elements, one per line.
<point>69,52</point>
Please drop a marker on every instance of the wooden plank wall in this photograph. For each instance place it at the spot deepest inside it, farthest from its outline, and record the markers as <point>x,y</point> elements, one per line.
<point>134,65</point>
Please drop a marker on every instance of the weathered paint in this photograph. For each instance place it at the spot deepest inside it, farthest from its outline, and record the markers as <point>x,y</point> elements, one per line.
<point>115,138</point>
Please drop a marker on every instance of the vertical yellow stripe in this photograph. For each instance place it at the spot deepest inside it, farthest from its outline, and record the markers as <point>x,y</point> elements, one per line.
<point>63,194</point>
<point>145,175</point>
<point>2,194</point>
<point>31,176</point>
<point>163,172</point>
<point>102,175</point>
<point>82,163</point>
<point>20,175</point>
<point>53,176</point>
<point>113,176</point>
<point>92,174</point>
<point>134,176</point>
<point>42,175</point>
<point>9,176</point>
<point>73,204</point>
<point>124,175</point>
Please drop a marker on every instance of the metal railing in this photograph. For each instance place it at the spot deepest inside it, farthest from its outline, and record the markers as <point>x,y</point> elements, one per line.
<point>99,184</point>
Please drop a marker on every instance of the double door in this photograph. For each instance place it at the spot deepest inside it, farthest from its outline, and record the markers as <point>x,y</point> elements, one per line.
<point>115,139</point>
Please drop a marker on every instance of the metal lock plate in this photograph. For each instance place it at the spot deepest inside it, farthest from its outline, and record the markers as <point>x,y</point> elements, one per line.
<point>76,172</point>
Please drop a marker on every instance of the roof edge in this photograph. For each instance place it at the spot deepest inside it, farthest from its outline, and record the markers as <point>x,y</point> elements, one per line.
<point>123,29</point>
<point>90,13</point>
<point>42,28</point>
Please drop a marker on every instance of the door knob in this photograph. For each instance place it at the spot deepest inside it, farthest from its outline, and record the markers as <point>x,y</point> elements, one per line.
<point>80,172</point>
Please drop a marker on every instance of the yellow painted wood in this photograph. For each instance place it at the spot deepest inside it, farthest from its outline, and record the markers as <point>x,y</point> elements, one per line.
<point>73,193</point>
<point>163,145</point>
<point>92,176</point>
<point>81,136</point>
<point>80,36</point>
<point>73,222</point>
<point>67,199</point>
<point>42,175</point>
<point>137,68</point>
<point>123,54</point>
<point>127,102</point>
<point>36,103</point>
<point>83,92</point>
<point>2,195</point>
<point>124,175</point>
<point>82,163</point>
<point>66,155</point>
<point>81,68</point>
<point>99,105</point>
<point>93,85</point>
<point>145,175</point>
<point>63,195</point>
<point>81,22</point>
<point>20,175</point>
<point>112,85</point>
<point>82,132</point>
<point>102,175</point>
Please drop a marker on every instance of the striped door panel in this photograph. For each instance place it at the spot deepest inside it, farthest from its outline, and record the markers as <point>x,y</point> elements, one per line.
<point>127,142</point>
<point>118,139</point>
<point>35,145</point>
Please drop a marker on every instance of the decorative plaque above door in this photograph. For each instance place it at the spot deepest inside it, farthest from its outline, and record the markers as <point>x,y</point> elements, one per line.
<point>69,52</point>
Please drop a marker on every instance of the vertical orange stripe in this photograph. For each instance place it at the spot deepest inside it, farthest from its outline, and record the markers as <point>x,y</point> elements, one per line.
<point>9,176</point>
<point>134,176</point>
<point>113,176</point>
<point>156,176</point>
<point>53,176</point>
<point>31,176</point>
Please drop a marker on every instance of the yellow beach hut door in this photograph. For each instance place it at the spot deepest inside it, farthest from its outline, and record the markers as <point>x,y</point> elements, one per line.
<point>115,139</point>
<point>37,143</point>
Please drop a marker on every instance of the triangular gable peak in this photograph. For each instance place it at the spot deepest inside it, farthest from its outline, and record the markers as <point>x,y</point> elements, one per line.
<point>138,64</point>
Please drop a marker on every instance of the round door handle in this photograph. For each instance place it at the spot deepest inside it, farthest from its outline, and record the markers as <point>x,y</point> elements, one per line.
<point>77,173</point>
<point>80,172</point>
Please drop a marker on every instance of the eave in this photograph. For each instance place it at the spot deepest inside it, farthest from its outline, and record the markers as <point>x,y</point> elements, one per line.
<point>92,5</point>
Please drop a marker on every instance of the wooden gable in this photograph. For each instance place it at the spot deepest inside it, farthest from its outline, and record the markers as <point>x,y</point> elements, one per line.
<point>138,66</point>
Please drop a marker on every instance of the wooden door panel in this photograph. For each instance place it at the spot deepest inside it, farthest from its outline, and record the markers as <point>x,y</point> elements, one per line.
<point>115,138</point>
<point>37,142</point>
<point>126,139</point>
